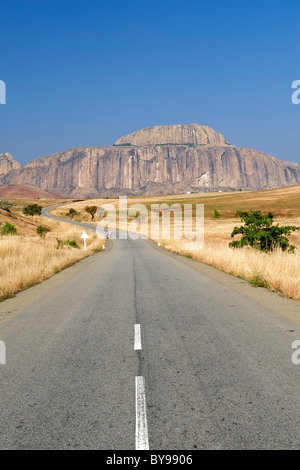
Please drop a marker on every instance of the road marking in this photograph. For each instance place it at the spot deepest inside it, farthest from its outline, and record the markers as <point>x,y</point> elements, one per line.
<point>141,427</point>
<point>137,337</point>
<point>2,353</point>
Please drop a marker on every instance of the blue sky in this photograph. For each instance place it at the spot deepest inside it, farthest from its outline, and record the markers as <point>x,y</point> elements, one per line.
<point>85,72</point>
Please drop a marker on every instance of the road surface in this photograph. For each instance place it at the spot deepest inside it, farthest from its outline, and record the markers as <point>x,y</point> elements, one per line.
<point>138,350</point>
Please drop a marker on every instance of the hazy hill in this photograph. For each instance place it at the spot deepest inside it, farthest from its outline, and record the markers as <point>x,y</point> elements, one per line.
<point>24,191</point>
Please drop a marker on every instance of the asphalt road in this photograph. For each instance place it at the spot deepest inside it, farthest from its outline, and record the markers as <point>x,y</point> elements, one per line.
<point>207,368</point>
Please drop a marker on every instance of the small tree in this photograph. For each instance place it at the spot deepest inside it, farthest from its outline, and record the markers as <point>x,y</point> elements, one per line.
<point>32,209</point>
<point>42,230</point>
<point>91,210</point>
<point>72,212</point>
<point>8,229</point>
<point>259,232</point>
<point>216,215</point>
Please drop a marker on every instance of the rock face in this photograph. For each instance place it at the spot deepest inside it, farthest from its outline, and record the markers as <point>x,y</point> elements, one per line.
<point>7,163</point>
<point>178,134</point>
<point>156,160</point>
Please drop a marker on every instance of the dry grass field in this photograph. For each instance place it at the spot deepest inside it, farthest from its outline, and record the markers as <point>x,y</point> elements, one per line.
<point>278,271</point>
<point>27,258</point>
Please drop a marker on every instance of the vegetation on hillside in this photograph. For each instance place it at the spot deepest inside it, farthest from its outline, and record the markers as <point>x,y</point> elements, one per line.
<point>30,256</point>
<point>32,209</point>
<point>8,229</point>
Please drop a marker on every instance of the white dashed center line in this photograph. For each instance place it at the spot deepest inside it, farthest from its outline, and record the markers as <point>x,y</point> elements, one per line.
<point>137,337</point>
<point>141,428</point>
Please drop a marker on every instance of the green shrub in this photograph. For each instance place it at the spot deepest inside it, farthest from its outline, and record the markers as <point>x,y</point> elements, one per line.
<point>259,281</point>
<point>72,243</point>
<point>216,215</point>
<point>8,229</point>
<point>61,243</point>
<point>32,209</point>
<point>72,212</point>
<point>259,232</point>
<point>42,230</point>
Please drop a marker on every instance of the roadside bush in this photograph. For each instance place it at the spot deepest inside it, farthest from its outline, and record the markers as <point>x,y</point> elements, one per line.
<point>72,243</point>
<point>72,212</point>
<point>32,209</point>
<point>259,281</point>
<point>9,229</point>
<point>61,243</point>
<point>42,230</point>
<point>216,215</point>
<point>259,232</point>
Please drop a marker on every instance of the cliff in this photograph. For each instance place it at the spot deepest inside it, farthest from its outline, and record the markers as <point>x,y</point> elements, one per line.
<point>7,163</point>
<point>156,160</point>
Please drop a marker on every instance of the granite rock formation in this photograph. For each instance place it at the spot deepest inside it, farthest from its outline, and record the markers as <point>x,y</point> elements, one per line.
<point>156,160</point>
<point>7,163</point>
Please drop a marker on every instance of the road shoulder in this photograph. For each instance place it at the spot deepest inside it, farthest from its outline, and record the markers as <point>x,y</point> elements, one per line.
<point>11,307</point>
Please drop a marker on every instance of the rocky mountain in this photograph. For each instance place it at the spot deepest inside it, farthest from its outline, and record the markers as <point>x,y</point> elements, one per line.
<point>7,163</point>
<point>156,160</point>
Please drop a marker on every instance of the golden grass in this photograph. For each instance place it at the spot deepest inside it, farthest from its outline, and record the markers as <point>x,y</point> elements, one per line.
<point>279,270</point>
<point>28,260</point>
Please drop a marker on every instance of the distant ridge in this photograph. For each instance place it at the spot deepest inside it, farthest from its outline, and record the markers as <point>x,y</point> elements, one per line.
<point>24,191</point>
<point>154,160</point>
